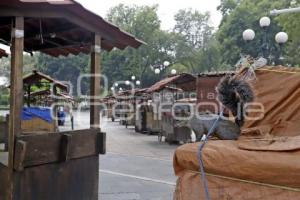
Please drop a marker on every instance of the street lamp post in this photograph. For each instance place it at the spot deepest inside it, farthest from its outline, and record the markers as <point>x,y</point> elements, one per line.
<point>160,68</point>
<point>280,38</point>
<point>264,23</point>
<point>248,35</point>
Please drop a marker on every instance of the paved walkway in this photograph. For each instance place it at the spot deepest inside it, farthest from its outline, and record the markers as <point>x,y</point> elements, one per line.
<point>136,167</point>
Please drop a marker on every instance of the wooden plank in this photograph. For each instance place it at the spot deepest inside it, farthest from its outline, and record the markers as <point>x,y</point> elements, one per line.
<point>16,90</point>
<point>95,82</point>
<point>101,144</point>
<point>16,95</point>
<point>73,180</point>
<point>52,147</point>
<point>5,182</point>
<point>20,151</point>
<point>66,140</point>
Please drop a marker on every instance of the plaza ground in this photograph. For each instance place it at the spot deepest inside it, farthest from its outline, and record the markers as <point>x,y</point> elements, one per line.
<point>136,166</point>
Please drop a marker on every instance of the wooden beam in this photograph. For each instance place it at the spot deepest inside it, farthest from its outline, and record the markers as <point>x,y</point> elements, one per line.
<point>66,140</point>
<point>95,81</point>
<point>20,152</point>
<point>16,89</point>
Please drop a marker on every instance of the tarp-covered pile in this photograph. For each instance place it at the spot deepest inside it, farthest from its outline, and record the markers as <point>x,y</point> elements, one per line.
<point>265,162</point>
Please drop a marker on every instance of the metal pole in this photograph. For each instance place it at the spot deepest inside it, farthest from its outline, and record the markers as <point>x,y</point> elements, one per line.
<point>284,11</point>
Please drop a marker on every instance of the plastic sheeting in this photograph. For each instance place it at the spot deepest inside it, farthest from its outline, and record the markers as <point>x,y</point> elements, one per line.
<point>32,112</point>
<point>264,163</point>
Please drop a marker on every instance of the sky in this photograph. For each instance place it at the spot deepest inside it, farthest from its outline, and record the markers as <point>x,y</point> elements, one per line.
<point>167,8</point>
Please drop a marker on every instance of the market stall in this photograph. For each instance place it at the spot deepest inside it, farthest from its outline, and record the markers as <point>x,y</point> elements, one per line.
<point>165,93</point>
<point>206,91</point>
<point>141,104</point>
<point>263,163</point>
<point>109,102</point>
<point>71,159</point>
<point>40,93</point>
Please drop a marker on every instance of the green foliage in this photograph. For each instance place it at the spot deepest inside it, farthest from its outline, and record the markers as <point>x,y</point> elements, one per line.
<point>66,69</point>
<point>4,97</point>
<point>143,22</point>
<point>196,47</point>
<point>291,24</point>
<point>246,15</point>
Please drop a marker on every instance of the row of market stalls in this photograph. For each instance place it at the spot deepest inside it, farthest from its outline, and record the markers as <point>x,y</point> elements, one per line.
<point>160,108</point>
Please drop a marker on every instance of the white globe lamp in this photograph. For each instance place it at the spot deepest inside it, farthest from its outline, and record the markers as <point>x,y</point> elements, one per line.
<point>166,63</point>
<point>157,71</point>
<point>173,72</point>
<point>248,35</point>
<point>264,22</point>
<point>281,37</point>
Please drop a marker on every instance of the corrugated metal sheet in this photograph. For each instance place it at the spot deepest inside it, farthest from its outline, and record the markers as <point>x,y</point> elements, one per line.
<point>70,33</point>
<point>185,81</point>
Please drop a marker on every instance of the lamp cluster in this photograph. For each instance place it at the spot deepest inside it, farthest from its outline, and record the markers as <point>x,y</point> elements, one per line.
<point>265,22</point>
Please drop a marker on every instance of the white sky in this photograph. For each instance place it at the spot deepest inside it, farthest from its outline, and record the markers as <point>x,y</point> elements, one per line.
<point>166,11</point>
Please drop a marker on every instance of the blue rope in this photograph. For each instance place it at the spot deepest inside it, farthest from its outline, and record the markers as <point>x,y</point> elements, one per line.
<point>210,132</point>
<point>201,146</point>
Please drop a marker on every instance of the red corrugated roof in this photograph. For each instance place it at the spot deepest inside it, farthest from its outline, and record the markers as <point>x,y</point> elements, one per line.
<point>180,80</point>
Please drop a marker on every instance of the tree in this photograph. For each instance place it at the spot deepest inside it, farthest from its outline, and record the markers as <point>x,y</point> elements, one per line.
<point>195,44</point>
<point>66,69</point>
<point>246,15</point>
<point>291,24</point>
<point>143,22</point>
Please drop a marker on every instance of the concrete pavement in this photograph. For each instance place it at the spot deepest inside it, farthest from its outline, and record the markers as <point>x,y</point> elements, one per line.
<point>136,167</point>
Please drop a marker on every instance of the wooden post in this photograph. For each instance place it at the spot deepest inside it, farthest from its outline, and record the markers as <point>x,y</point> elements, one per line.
<point>28,95</point>
<point>95,81</point>
<point>16,90</point>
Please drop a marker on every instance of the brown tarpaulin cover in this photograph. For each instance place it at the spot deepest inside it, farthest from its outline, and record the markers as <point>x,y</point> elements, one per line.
<point>265,162</point>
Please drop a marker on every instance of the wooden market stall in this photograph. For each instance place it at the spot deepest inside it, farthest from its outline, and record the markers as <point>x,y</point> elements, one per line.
<point>109,102</point>
<point>166,92</point>
<point>206,91</point>
<point>126,107</point>
<point>60,166</point>
<point>40,93</point>
<point>128,104</point>
<point>264,162</point>
<point>141,107</point>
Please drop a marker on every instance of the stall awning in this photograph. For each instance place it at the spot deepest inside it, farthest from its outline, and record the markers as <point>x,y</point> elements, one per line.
<point>60,27</point>
<point>36,78</point>
<point>184,81</point>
